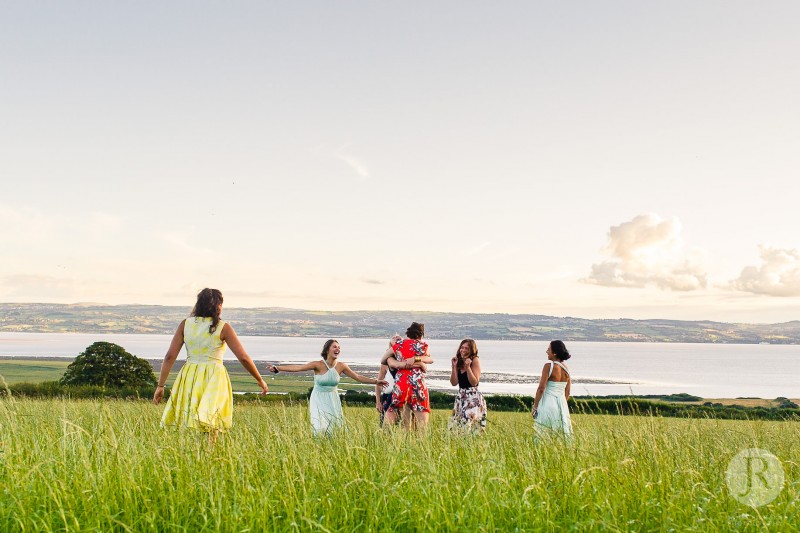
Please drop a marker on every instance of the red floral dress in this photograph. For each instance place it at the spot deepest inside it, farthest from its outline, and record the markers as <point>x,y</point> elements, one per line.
<point>409,385</point>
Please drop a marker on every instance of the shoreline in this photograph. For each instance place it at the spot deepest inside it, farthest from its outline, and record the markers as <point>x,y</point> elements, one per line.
<point>488,378</point>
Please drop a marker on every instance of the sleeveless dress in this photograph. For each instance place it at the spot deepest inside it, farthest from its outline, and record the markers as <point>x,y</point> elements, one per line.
<point>469,409</point>
<point>201,396</point>
<point>409,386</point>
<point>552,415</point>
<point>325,406</point>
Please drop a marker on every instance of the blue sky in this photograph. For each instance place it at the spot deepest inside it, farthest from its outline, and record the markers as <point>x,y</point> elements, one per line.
<point>587,159</point>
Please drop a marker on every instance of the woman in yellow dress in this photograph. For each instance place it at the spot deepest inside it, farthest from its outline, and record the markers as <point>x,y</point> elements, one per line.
<point>202,397</point>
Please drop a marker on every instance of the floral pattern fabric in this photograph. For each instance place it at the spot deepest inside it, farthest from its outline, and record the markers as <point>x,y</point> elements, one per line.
<point>469,411</point>
<point>409,386</point>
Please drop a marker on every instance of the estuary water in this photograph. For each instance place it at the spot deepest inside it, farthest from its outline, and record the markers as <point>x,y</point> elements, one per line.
<point>598,368</point>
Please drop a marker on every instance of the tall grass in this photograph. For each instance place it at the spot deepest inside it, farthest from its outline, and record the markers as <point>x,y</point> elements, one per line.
<point>106,466</point>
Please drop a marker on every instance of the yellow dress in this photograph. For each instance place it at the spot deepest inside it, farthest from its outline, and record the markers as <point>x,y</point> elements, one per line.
<point>201,396</point>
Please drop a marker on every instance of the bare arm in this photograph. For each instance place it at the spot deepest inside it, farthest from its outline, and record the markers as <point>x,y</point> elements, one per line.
<point>379,388</point>
<point>313,365</point>
<point>169,360</point>
<point>394,363</point>
<point>474,372</point>
<point>566,389</point>
<point>228,335</point>
<point>454,371</point>
<point>427,359</point>
<point>540,390</point>
<point>347,371</point>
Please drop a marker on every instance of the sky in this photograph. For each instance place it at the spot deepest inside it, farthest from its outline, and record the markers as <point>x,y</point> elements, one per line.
<point>588,159</point>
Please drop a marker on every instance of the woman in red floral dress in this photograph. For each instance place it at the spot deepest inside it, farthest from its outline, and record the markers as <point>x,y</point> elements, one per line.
<point>410,394</point>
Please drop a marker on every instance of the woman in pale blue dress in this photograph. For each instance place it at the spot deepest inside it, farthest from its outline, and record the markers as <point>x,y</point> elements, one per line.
<point>325,406</point>
<point>550,411</point>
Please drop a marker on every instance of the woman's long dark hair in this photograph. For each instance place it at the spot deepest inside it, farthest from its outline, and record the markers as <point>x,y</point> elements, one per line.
<point>208,302</point>
<point>473,352</point>
<point>559,349</point>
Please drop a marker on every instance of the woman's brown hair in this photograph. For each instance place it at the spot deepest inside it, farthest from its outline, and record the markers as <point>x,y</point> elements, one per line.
<point>208,302</point>
<point>326,347</point>
<point>473,352</point>
<point>415,331</point>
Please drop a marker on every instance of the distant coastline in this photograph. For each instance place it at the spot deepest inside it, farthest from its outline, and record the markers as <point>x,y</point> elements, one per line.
<point>31,370</point>
<point>281,322</point>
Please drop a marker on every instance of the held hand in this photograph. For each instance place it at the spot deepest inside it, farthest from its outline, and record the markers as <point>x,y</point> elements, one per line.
<point>158,395</point>
<point>381,382</point>
<point>272,368</point>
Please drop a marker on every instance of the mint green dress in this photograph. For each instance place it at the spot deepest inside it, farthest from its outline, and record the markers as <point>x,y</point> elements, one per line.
<point>325,406</point>
<point>552,416</point>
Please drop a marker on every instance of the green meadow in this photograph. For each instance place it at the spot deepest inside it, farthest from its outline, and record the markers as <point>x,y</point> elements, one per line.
<point>85,465</point>
<point>37,370</point>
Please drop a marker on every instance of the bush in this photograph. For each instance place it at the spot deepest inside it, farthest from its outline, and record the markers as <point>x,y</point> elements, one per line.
<point>106,364</point>
<point>54,389</point>
<point>681,397</point>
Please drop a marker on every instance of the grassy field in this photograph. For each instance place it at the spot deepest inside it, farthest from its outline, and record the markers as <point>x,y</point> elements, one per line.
<point>32,370</point>
<point>38,370</point>
<point>106,466</point>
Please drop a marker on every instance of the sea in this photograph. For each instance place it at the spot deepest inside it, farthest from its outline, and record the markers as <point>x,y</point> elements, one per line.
<point>597,368</point>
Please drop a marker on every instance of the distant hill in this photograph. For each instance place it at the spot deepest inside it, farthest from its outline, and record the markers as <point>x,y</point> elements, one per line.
<point>274,321</point>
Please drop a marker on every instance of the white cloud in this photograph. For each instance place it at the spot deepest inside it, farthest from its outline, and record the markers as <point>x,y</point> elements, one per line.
<point>32,225</point>
<point>356,164</point>
<point>102,224</point>
<point>648,251</point>
<point>40,287</point>
<point>345,156</point>
<point>24,224</point>
<point>180,243</point>
<point>477,249</point>
<point>778,275</point>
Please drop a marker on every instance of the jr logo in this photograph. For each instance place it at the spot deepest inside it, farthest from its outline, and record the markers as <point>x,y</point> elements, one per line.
<point>755,477</point>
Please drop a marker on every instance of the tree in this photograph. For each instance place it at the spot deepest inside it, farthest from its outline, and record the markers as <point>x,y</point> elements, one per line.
<point>109,365</point>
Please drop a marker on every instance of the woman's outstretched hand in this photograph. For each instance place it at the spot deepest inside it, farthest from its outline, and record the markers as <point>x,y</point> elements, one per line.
<point>381,382</point>
<point>263,385</point>
<point>272,368</point>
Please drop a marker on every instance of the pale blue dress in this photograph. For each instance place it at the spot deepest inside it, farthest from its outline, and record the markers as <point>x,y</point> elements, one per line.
<point>325,406</point>
<point>552,414</point>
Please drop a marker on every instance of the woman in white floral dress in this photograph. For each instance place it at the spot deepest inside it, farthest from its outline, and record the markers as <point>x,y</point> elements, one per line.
<point>469,411</point>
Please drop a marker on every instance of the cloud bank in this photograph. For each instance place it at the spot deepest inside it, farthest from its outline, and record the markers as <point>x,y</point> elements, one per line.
<point>778,274</point>
<point>648,251</point>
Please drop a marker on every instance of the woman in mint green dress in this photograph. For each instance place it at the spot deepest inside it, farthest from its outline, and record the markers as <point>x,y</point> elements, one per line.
<point>550,411</point>
<point>325,406</point>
